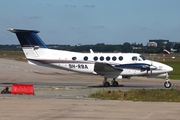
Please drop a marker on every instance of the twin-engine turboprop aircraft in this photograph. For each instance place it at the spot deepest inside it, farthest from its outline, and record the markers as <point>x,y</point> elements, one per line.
<point>109,65</point>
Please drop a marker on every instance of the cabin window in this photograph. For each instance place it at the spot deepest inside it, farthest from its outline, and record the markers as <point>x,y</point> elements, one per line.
<point>107,58</point>
<point>134,58</point>
<point>95,58</point>
<point>85,58</point>
<point>120,58</point>
<point>101,58</point>
<point>114,58</point>
<point>74,58</point>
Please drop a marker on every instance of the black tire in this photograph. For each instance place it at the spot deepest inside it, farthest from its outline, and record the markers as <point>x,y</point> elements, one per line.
<point>106,84</point>
<point>167,84</point>
<point>115,84</point>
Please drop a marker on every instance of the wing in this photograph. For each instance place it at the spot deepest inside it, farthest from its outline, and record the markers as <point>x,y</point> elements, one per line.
<point>105,68</point>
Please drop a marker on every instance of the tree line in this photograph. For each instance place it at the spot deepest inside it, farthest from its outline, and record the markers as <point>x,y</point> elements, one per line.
<point>101,47</point>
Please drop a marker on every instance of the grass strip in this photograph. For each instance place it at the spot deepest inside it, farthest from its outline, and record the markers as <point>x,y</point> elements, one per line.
<point>153,95</point>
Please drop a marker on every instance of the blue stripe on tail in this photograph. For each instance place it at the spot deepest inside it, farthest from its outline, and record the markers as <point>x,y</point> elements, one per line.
<point>28,38</point>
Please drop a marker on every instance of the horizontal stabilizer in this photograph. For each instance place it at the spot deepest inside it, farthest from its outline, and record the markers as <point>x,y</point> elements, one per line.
<point>21,30</point>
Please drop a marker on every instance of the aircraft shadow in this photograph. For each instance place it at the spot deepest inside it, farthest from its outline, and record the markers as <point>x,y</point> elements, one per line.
<point>128,86</point>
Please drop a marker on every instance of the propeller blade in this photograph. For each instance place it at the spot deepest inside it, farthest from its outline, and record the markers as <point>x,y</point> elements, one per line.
<point>152,67</point>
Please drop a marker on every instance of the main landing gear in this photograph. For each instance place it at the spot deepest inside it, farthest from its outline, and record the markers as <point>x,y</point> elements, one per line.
<point>113,82</point>
<point>167,84</point>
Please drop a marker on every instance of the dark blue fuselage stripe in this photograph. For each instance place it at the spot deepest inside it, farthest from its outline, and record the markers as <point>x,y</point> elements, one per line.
<point>60,61</point>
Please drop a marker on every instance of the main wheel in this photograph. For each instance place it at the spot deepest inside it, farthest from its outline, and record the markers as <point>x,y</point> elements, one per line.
<point>106,84</point>
<point>115,84</point>
<point>167,84</point>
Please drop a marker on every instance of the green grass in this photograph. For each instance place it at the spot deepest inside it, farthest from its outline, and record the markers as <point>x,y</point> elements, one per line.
<point>108,95</point>
<point>154,95</point>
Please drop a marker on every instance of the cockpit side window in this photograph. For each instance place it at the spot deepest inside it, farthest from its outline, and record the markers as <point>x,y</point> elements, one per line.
<point>142,57</point>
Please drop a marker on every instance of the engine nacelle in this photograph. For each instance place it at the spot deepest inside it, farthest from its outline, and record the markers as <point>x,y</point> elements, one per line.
<point>119,77</point>
<point>126,77</point>
<point>123,77</point>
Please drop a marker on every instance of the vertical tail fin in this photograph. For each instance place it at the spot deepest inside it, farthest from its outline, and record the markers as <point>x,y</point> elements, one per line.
<point>30,42</point>
<point>28,38</point>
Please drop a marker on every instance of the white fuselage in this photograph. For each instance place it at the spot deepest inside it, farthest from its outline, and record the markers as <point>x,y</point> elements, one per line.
<point>84,62</point>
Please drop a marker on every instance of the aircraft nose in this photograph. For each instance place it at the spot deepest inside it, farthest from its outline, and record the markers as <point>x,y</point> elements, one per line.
<point>163,67</point>
<point>168,68</point>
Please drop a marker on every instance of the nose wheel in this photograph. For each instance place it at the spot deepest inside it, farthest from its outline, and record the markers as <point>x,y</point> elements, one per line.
<point>167,84</point>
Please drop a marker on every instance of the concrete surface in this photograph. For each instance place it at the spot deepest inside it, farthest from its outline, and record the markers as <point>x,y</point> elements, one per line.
<point>68,109</point>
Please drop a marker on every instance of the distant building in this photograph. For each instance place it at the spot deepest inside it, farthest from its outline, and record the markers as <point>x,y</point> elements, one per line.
<point>159,41</point>
<point>136,48</point>
<point>79,44</point>
<point>152,44</point>
<point>173,43</point>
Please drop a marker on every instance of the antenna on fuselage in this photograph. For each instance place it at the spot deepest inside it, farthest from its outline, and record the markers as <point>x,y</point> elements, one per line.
<point>91,51</point>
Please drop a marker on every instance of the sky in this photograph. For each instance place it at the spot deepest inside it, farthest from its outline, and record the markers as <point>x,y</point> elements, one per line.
<point>72,22</point>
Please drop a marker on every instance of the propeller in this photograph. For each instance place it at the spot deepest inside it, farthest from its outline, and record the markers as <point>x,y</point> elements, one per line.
<point>151,68</point>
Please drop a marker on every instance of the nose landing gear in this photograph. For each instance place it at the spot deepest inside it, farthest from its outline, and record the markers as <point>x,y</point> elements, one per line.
<point>167,84</point>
